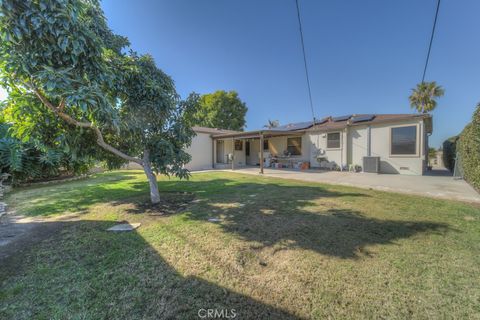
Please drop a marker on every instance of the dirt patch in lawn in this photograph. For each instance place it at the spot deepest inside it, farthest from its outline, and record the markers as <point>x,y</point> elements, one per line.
<point>19,234</point>
<point>171,203</point>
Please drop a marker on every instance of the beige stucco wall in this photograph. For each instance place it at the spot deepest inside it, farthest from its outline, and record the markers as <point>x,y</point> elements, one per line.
<point>239,155</point>
<point>354,146</point>
<point>318,141</point>
<point>201,152</point>
<point>357,138</point>
<point>277,145</point>
<point>132,166</point>
<point>254,158</point>
<point>380,146</point>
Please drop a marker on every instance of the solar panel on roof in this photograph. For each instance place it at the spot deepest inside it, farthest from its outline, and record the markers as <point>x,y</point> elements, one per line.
<point>320,121</point>
<point>341,118</point>
<point>366,117</point>
<point>299,125</point>
<point>294,126</point>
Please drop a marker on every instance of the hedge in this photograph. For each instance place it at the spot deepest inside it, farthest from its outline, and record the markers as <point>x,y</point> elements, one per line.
<point>28,161</point>
<point>449,152</point>
<point>468,146</point>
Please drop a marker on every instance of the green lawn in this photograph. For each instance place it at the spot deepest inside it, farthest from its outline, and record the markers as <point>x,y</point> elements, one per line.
<point>283,249</point>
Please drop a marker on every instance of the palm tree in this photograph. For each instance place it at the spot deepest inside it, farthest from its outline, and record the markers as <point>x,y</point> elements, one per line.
<point>272,124</point>
<point>424,95</point>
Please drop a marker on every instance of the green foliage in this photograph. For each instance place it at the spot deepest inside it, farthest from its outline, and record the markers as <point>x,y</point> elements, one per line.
<point>432,153</point>
<point>33,160</point>
<point>423,96</point>
<point>71,81</point>
<point>449,152</point>
<point>54,46</point>
<point>469,149</point>
<point>221,109</point>
<point>151,115</point>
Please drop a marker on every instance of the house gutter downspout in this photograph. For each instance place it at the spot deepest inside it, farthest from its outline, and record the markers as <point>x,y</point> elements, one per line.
<point>369,141</point>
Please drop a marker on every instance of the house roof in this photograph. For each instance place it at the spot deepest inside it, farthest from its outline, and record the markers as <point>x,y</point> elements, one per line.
<point>213,130</point>
<point>326,124</point>
<point>362,119</point>
<point>298,125</point>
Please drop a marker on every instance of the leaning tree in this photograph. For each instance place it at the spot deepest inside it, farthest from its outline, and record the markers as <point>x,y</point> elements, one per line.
<point>60,61</point>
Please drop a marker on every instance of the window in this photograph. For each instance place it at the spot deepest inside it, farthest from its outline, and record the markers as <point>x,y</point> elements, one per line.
<point>238,145</point>
<point>265,145</point>
<point>247,148</point>
<point>294,146</point>
<point>333,140</point>
<point>404,140</point>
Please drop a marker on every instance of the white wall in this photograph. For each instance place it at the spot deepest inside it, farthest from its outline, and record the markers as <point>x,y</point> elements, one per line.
<point>253,159</point>
<point>277,145</point>
<point>239,155</point>
<point>380,146</point>
<point>201,152</point>
<point>353,147</point>
<point>357,140</point>
<point>318,141</point>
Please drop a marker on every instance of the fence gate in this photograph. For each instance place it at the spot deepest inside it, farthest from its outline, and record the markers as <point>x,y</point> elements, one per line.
<point>458,169</point>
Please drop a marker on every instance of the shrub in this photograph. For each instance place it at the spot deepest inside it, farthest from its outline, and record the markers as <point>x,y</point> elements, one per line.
<point>449,152</point>
<point>31,160</point>
<point>468,147</point>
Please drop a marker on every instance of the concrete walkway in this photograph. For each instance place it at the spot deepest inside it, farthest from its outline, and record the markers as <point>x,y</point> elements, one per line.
<point>438,184</point>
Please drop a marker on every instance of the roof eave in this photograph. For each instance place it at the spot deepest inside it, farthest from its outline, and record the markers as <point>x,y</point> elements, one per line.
<point>407,117</point>
<point>258,133</point>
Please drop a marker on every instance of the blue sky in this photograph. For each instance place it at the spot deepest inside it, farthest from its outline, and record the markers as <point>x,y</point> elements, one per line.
<point>364,56</point>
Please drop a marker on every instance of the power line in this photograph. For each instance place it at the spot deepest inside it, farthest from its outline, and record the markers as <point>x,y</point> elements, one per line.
<point>305,60</point>
<point>431,41</point>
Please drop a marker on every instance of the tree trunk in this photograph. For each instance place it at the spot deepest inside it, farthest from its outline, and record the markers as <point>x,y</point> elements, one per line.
<point>145,162</point>
<point>152,179</point>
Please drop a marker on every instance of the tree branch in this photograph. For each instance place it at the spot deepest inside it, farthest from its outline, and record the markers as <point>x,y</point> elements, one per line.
<point>61,106</point>
<point>100,141</point>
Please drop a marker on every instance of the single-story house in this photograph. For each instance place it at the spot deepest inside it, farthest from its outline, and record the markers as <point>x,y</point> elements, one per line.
<point>383,143</point>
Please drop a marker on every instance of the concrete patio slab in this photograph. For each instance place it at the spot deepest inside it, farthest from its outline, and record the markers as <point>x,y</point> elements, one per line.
<point>438,184</point>
<point>124,227</point>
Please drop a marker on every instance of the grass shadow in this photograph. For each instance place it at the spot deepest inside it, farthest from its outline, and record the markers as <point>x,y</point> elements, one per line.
<point>312,218</point>
<point>268,212</point>
<point>79,270</point>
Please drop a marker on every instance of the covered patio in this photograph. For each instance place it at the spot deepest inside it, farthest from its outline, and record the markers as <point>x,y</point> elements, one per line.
<point>262,149</point>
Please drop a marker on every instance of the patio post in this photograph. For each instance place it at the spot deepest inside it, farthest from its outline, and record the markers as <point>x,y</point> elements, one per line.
<point>261,153</point>
<point>233,154</point>
<point>214,142</point>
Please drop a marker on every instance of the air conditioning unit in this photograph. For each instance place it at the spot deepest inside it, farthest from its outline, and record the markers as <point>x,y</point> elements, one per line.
<point>371,164</point>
